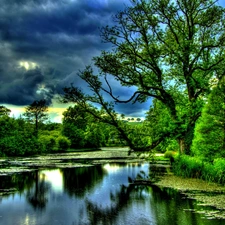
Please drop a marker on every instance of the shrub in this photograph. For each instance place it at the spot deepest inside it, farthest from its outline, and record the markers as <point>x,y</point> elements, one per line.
<point>63,143</point>
<point>48,143</point>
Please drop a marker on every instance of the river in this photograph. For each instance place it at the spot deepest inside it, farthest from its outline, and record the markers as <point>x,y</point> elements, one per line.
<point>101,194</point>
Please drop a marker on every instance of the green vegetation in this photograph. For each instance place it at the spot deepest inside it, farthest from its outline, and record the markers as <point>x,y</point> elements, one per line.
<point>19,136</point>
<point>209,141</point>
<point>194,167</point>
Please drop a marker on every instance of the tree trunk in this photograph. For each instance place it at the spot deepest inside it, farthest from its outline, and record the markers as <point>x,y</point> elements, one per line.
<point>181,143</point>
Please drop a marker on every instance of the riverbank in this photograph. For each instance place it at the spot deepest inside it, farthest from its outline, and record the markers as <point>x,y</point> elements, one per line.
<point>205,193</point>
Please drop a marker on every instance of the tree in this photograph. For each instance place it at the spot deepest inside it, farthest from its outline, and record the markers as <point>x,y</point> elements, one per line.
<point>162,128</point>
<point>209,138</point>
<point>83,129</point>
<point>74,125</point>
<point>37,112</point>
<point>169,50</point>
<point>4,111</point>
<point>16,138</point>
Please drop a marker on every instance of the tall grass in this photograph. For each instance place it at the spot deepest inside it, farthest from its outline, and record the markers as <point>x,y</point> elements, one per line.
<point>194,167</point>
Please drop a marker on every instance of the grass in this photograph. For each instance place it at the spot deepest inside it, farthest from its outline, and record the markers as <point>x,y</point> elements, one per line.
<point>194,167</point>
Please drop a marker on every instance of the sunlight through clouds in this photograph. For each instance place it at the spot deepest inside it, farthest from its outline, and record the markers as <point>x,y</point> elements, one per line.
<point>28,65</point>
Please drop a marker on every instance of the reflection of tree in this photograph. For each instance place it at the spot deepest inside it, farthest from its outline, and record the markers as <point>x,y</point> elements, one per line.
<point>167,205</point>
<point>37,196</point>
<point>19,181</point>
<point>121,200</point>
<point>82,179</point>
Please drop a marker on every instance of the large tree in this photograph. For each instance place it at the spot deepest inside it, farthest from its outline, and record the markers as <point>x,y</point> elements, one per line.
<point>37,112</point>
<point>170,50</point>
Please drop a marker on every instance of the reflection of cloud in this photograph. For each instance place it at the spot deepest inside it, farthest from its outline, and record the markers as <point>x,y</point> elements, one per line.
<point>54,177</point>
<point>111,168</point>
<point>28,219</point>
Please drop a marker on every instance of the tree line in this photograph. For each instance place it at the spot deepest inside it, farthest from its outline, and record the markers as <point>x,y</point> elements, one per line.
<point>33,133</point>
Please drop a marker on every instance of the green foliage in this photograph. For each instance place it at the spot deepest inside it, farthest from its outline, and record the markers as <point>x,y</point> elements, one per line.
<point>53,141</point>
<point>63,143</point>
<point>162,129</point>
<point>17,138</point>
<point>170,154</point>
<point>74,124</point>
<point>48,143</point>
<point>84,130</point>
<point>188,166</point>
<point>139,134</point>
<point>94,135</point>
<point>209,140</point>
<point>194,167</point>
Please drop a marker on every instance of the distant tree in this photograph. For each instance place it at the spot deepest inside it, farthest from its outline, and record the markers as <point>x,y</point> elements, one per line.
<point>138,119</point>
<point>132,119</point>
<point>82,129</point>
<point>4,111</point>
<point>74,125</point>
<point>37,112</point>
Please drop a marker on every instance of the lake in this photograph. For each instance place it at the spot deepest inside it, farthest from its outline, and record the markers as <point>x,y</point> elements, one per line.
<point>102,194</point>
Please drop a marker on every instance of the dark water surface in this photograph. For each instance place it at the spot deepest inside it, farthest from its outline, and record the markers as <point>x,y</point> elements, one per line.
<point>93,195</point>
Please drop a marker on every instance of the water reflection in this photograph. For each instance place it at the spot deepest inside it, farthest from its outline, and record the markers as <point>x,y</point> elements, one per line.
<point>37,195</point>
<point>93,195</point>
<point>79,181</point>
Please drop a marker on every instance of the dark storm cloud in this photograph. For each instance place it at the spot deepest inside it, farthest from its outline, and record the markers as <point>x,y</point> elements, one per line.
<point>56,38</point>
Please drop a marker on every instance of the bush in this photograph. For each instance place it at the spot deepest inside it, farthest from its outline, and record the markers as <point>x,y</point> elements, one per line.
<point>19,144</point>
<point>48,143</point>
<point>63,143</point>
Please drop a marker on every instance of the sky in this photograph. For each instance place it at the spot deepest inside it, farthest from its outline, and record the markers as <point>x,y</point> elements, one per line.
<point>43,45</point>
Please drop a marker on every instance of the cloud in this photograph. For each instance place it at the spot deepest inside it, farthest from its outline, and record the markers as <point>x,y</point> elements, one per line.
<point>44,43</point>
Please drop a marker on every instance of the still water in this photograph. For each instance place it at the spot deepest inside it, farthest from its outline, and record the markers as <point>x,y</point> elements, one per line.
<point>93,195</point>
